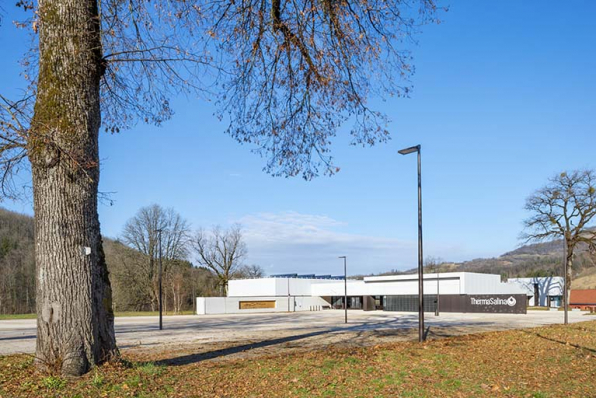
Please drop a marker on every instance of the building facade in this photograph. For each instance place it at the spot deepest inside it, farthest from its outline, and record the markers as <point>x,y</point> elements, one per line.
<point>583,299</point>
<point>542,291</point>
<point>457,291</point>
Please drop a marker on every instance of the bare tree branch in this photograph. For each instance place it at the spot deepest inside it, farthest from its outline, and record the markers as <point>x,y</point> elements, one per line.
<point>564,209</point>
<point>221,251</point>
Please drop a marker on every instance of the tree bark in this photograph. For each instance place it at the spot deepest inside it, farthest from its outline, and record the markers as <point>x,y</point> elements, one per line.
<point>75,321</point>
<point>568,273</point>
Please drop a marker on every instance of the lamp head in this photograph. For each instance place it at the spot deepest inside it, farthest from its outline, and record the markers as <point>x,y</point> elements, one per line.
<point>409,150</point>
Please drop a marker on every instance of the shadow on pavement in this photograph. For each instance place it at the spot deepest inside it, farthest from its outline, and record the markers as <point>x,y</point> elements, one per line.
<point>194,358</point>
<point>360,335</point>
<point>18,337</point>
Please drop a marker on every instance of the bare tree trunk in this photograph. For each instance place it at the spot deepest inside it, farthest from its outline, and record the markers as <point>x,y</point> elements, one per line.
<point>568,273</point>
<point>165,295</point>
<point>75,321</point>
<point>176,295</point>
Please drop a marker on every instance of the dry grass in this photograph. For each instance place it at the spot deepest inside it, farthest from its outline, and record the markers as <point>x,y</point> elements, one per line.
<point>551,361</point>
<point>587,280</point>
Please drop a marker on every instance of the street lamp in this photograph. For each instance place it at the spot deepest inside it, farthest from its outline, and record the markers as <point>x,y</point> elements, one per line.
<point>438,294</point>
<point>288,294</point>
<point>565,282</point>
<point>160,293</point>
<point>345,288</point>
<point>407,151</point>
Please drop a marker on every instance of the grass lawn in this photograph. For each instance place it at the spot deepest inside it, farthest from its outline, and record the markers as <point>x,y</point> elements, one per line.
<point>553,361</point>
<point>117,314</point>
<point>17,316</point>
<point>149,313</point>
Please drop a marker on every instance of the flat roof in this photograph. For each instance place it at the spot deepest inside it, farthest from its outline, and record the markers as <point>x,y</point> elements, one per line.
<point>408,277</point>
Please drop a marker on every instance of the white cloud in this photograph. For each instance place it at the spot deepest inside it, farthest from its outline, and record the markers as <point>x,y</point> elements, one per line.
<point>304,243</point>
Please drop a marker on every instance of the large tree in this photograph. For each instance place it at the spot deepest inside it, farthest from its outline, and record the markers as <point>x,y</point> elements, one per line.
<point>564,209</point>
<point>143,233</point>
<point>286,75</point>
<point>221,251</point>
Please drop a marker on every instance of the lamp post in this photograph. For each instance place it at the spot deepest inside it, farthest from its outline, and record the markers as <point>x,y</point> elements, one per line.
<point>160,293</point>
<point>345,288</point>
<point>565,282</point>
<point>438,295</point>
<point>407,151</point>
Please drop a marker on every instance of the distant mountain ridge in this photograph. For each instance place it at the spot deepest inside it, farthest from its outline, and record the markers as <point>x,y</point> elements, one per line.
<point>544,248</point>
<point>536,259</point>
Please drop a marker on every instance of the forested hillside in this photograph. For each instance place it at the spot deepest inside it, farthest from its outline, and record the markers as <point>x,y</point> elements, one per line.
<point>133,282</point>
<point>17,263</point>
<point>539,259</point>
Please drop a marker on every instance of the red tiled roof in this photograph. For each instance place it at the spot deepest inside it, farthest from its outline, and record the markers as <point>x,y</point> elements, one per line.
<point>586,296</point>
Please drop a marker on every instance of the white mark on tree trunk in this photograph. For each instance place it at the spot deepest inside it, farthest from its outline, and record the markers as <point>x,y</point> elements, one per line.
<point>51,312</point>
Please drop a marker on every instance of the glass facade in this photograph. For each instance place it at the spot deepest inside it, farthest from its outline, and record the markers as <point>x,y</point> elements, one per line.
<point>354,302</point>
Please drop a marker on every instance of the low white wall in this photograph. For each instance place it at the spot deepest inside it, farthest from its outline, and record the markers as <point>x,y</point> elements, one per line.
<point>200,305</point>
<point>231,305</point>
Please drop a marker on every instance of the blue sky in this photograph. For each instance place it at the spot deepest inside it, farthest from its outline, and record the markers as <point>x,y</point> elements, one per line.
<point>503,99</point>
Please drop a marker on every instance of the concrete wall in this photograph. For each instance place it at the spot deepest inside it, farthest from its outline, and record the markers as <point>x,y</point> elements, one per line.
<point>253,287</point>
<point>487,284</point>
<point>272,287</point>
<point>447,285</point>
<point>336,288</point>
<point>231,305</point>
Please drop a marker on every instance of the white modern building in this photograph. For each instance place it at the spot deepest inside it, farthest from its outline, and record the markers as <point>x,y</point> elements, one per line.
<point>542,291</point>
<point>295,293</point>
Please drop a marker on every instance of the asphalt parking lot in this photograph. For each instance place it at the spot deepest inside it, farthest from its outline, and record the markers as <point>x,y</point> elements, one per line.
<point>300,329</point>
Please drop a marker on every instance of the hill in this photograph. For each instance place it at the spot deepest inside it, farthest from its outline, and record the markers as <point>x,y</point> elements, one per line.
<point>132,288</point>
<point>538,259</point>
<point>17,263</point>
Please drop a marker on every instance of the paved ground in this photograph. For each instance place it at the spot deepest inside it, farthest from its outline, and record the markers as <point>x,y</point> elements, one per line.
<point>214,336</point>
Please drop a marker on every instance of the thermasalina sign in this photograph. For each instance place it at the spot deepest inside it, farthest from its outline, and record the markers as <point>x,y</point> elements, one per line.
<point>499,303</point>
<point>515,303</point>
<point>492,303</point>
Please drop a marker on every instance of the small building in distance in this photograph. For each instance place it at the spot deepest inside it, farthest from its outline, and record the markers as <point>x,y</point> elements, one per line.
<point>542,291</point>
<point>584,299</point>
